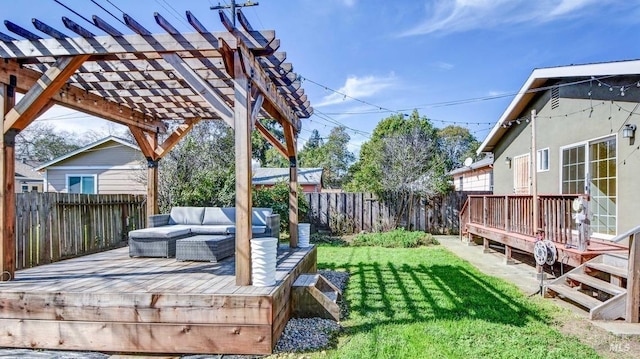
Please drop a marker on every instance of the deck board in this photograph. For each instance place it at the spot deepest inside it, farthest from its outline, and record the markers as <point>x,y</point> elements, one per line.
<point>110,295</point>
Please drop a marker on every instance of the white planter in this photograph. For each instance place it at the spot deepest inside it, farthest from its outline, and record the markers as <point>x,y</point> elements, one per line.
<point>264,253</point>
<point>304,234</point>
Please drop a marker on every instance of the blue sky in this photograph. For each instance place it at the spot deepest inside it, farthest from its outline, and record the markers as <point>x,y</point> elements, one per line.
<point>457,62</point>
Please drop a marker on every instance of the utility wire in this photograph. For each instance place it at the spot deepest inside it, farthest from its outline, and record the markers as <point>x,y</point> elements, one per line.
<point>109,12</point>
<point>75,12</point>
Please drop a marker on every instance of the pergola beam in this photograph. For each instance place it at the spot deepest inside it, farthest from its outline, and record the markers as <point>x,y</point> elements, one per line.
<point>92,104</point>
<point>43,90</point>
<point>201,87</point>
<point>124,44</point>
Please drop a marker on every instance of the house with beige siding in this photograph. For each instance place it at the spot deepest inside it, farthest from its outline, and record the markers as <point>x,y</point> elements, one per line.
<point>108,166</point>
<point>27,178</point>
<point>571,130</point>
<point>476,177</point>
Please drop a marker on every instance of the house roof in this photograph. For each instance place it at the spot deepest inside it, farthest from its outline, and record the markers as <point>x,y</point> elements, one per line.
<point>306,176</point>
<point>485,162</point>
<point>86,148</point>
<point>537,81</point>
<point>27,172</point>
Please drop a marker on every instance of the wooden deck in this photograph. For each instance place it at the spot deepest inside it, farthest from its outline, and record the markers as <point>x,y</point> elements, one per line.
<point>113,303</point>
<point>566,255</point>
<point>510,220</point>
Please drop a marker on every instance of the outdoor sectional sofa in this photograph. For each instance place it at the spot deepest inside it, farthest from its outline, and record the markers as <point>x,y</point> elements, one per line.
<point>213,226</point>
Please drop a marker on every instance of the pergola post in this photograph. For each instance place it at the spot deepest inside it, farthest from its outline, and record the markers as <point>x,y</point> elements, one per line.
<point>293,201</point>
<point>152,186</point>
<point>242,127</point>
<point>7,189</point>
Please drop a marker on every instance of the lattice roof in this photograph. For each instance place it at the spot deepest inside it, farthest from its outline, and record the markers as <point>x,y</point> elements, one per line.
<point>143,79</point>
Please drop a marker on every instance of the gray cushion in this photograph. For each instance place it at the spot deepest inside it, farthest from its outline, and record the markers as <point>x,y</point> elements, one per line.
<point>211,229</point>
<point>186,215</point>
<point>161,232</point>
<point>259,216</point>
<point>254,229</point>
<point>219,216</point>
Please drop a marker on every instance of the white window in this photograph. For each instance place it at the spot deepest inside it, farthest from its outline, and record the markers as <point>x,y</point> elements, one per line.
<point>595,160</point>
<point>543,160</point>
<point>82,184</point>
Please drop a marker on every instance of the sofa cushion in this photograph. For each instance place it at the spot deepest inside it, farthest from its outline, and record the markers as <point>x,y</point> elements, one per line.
<point>219,216</point>
<point>165,232</point>
<point>211,229</point>
<point>186,215</point>
<point>254,229</point>
<point>259,216</point>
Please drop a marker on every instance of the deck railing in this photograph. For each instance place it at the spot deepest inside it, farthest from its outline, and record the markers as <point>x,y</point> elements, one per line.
<point>514,213</point>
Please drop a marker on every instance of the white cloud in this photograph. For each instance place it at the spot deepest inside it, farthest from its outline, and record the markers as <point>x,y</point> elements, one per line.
<point>463,15</point>
<point>349,3</point>
<point>359,88</point>
<point>444,65</point>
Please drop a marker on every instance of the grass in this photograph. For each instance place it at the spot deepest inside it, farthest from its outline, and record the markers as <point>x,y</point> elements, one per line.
<point>427,303</point>
<point>394,239</point>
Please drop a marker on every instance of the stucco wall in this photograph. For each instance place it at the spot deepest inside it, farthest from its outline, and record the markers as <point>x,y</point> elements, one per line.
<point>577,119</point>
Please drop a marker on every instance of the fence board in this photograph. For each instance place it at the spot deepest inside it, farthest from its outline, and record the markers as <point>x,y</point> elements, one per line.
<point>55,226</point>
<point>364,212</point>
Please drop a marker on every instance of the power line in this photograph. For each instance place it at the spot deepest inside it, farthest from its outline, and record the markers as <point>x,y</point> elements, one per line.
<point>73,11</point>
<point>109,12</point>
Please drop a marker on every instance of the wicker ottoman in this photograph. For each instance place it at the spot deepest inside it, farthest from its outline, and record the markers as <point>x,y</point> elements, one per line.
<point>210,248</point>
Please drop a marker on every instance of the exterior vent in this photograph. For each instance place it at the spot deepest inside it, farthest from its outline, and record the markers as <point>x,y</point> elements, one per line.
<point>555,98</point>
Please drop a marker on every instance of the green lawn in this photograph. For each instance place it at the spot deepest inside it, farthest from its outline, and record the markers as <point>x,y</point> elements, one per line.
<point>427,303</point>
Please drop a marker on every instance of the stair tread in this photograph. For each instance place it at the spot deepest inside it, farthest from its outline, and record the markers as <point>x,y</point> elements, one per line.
<point>596,283</point>
<point>574,295</point>
<point>617,271</point>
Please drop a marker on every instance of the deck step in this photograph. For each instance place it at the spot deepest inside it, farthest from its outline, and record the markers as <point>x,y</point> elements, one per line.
<point>606,268</point>
<point>596,283</point>
<point>574,295</point>
<point>313,295</point>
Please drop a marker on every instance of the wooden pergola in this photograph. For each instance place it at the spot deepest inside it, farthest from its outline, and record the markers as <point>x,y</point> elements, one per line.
<point>142,80</point>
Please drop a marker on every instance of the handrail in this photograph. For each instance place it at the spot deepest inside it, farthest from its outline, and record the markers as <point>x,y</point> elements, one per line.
<point>627,234</point>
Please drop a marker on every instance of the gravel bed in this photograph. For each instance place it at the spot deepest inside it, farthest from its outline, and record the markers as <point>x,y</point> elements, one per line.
<point>309,334</point>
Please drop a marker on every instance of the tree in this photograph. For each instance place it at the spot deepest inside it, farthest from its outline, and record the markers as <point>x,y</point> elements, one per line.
<point>200,170</point>
<point>41,142</point>
<point>457,143</point>
<point>403,159</point>
<point>260,146</point>
<point>333,155</point>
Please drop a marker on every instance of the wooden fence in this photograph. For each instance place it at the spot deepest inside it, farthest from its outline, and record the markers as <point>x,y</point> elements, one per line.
<point>55,226</point>
<point>344,213</point>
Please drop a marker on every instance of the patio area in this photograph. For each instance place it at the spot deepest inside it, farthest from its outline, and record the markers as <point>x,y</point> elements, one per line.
<point>113,303</point>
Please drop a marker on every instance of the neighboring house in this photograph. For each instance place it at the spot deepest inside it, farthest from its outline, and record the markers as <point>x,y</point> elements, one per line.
<point>585,134</point>
<point>110,165</point>
<point>27,178</point>
<point>310,179</point>
<point>478,176</point>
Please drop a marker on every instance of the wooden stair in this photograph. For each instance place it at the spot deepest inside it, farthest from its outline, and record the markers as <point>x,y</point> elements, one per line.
<point>313,295</point>
<point>598,285</point>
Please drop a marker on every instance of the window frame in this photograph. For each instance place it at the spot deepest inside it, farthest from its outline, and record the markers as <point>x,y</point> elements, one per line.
<point>539,160</point>
<point>82,175</point>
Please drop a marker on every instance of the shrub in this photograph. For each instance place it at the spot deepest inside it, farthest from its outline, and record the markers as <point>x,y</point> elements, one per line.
<point>277,198</point>
<point>395,239</point>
